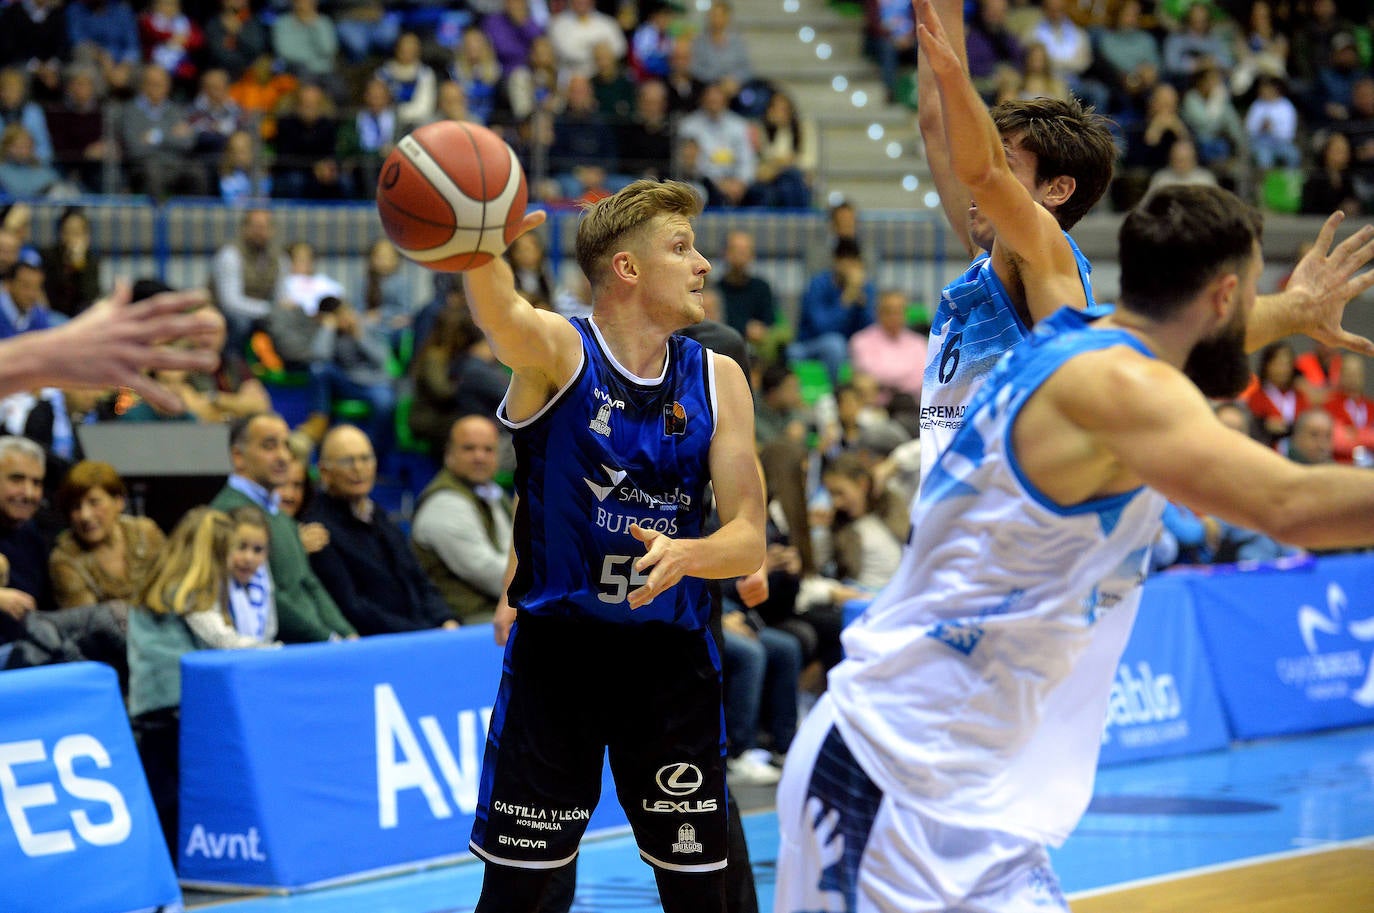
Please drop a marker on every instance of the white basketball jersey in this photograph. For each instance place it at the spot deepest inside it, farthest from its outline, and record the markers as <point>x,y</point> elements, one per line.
<point>976,684</point>
<point>975,324</point>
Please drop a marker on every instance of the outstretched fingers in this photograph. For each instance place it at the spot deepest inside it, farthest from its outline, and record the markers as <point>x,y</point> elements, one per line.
<point>1322,244</point>
<point>1356,250</point>
<point>930,32</point>
<point>1354,343</point>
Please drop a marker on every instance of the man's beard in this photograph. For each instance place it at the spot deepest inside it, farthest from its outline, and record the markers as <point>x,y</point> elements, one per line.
<point>1218,365</point>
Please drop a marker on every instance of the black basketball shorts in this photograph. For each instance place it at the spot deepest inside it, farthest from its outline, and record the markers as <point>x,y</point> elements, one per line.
<point>573,690</point>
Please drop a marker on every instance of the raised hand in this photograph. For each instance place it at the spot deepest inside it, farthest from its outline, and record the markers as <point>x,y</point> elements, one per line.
<point>1326,280</point>
<point>115,343</point>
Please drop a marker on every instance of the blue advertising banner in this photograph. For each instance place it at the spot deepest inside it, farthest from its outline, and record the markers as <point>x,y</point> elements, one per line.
<point>80,833</point>
<point>1290,649</point>
<point>322,762</point>
<point>1163,699</point>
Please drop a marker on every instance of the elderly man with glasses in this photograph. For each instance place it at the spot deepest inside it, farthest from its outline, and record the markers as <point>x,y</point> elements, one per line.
<point>368,566</point>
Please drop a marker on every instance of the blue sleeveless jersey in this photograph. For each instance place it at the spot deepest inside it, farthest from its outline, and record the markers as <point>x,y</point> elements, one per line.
<point>610,450</point>
<point>974,325</point>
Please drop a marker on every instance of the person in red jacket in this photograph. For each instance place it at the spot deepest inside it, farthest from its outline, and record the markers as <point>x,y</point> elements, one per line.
<point>1276,400</point>
<point>171,40</point>
<point>1353,413</point>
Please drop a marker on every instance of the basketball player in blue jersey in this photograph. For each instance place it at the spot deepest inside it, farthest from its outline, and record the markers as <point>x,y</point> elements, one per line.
<point>619,425</point>
<point>960,735</point>
<point>1023,176</point>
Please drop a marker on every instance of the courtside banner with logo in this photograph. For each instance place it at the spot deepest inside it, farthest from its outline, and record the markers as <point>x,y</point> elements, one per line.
<point>323,762</point>
<point>1163,700</point>
<point>80,834</point>
<point>1291,649</point>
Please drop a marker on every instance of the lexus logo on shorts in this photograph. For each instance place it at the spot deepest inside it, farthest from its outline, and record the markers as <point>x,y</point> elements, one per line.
<point>679,779</point>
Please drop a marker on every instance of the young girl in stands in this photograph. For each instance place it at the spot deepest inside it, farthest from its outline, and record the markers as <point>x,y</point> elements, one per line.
<point>867,548</point>
<point>210,590</point>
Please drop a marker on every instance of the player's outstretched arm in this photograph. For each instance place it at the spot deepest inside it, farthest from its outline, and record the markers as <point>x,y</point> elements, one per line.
<point>114,344</point>
<point>1160,428</point>
<point>540,347</point>
<point>1322,284</point>
<point>1029,240</point>
<point>738,547</point>
<point>954,196</point>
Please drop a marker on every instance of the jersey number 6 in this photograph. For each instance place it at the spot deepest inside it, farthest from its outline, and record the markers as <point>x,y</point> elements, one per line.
<point>949,359</point>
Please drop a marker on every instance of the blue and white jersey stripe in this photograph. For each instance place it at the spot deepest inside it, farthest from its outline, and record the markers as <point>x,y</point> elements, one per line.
<point>975,324</point>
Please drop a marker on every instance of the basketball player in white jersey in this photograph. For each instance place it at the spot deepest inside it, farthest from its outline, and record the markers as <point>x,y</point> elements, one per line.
<point>960,735</point>
<point>1022,178</point>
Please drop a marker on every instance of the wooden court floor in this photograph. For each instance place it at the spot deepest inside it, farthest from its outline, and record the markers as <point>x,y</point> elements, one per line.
<point>1323,880</point>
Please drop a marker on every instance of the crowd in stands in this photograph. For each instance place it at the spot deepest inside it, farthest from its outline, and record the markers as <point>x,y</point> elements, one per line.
<point>295,99</point>
<point>298,99</point>
<point>1271,98</point>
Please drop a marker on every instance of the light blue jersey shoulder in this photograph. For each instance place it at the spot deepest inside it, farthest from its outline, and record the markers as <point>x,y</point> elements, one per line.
<point>1055,341</point>
<point>974,325</point>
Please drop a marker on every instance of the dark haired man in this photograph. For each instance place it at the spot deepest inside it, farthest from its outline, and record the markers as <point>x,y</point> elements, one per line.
<point>836,304</point>
<point>261,462</point>
<point>1023,177</point>
<point>960,735</point>
<point>21,298</point>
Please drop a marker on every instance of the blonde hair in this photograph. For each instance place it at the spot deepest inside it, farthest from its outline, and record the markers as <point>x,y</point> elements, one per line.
<point>11,135</point>
<point>608,221</point>
<point>191,576</point>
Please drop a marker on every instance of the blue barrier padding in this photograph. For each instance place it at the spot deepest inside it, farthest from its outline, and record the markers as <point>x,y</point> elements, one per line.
<point>1163,700</point>
<point>852,609</point>
<point>323,762</point>
<point>80,834</point>
<point>1290,649</point>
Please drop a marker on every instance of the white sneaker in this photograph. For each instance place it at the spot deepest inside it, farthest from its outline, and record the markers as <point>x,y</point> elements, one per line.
<point>748,771</point>
<point>760,755</point>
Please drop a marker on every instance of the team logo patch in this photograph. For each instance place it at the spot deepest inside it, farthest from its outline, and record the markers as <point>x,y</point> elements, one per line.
<point>962,636</point>
<point>674,419</point>
<point>679,779</point>
<point>603,491</point>
<point>602,423</point>
<point>687,840</point>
